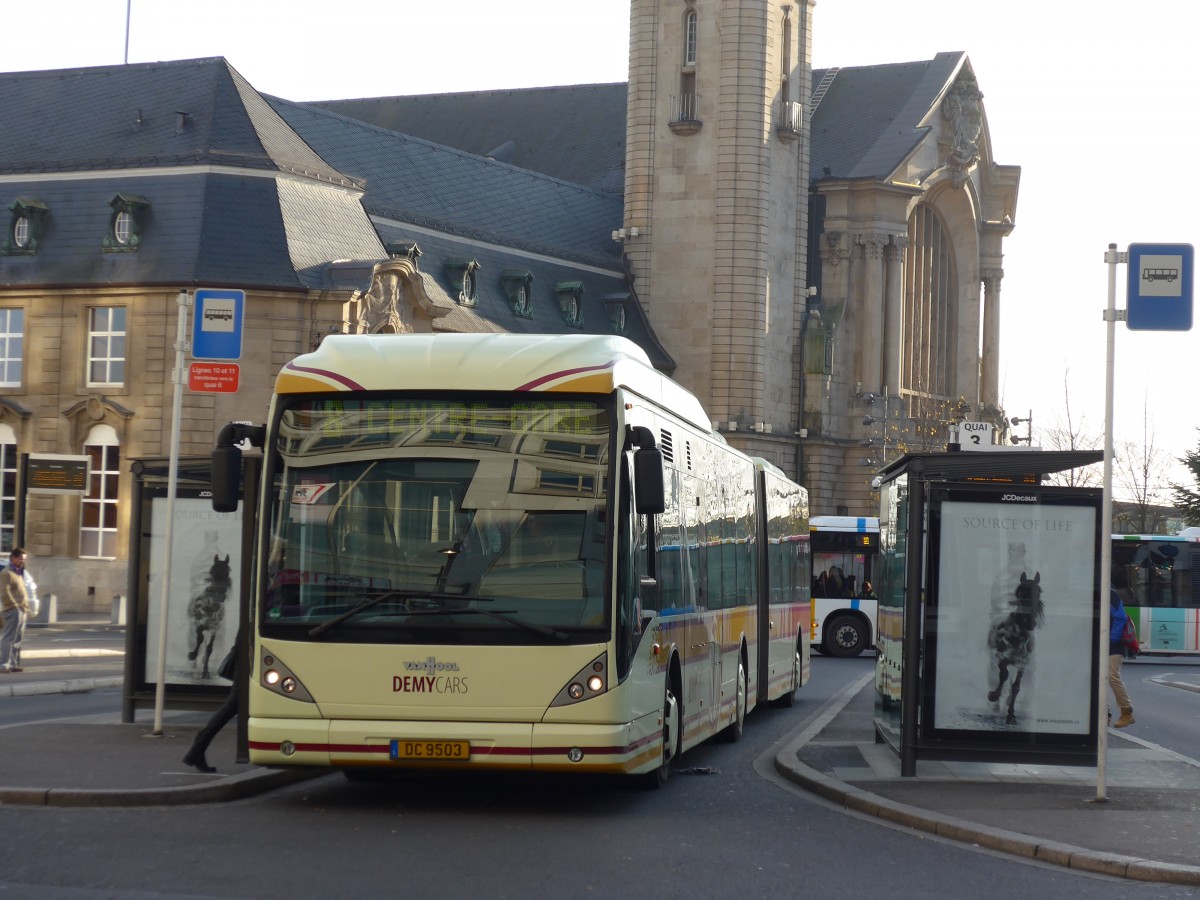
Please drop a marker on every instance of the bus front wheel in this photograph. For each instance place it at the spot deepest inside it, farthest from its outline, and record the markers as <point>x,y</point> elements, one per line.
<point>845,636</point>
<point>670,740</point>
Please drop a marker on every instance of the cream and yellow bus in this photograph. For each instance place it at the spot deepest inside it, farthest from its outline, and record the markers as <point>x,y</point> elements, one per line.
<point>517,552</point>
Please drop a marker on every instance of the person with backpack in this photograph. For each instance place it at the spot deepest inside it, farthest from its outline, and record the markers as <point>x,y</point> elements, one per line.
<point>1116,656</point>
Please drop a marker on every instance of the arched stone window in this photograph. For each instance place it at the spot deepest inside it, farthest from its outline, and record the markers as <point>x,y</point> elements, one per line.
<point>930,310</point>
<point>685,114</point>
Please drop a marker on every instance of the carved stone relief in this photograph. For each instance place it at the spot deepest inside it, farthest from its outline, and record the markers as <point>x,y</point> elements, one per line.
<point>963,111</point>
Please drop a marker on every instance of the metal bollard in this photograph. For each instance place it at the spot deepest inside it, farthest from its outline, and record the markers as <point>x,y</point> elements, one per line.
<point>47,614</point>
<point>118,610</point>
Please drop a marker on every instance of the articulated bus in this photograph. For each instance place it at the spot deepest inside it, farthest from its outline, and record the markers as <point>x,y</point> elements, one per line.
<point>844,550</point>
<point>512,552</point>
<point>1158,578</point>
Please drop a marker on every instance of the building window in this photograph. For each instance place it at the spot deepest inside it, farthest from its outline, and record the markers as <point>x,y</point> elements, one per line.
<point>685,114</point>
<point>127,222</point>
<point>464,282</point>
<point>570,302</point>
<point>12,346</point>
<point>8,488</point>
<point>98,525</point>
<point>25,227</point>
<point>516,284</point>
<point>617,307</point>
<point>690,22</point>
<point>106,345</point>
<point>930,300</point>
<point>122,228</point>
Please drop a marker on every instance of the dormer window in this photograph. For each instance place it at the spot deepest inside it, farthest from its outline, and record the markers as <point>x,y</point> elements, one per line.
<point>617,307</point>
<point>25,227</point>
<point>404,250</point>
<point>464,282</point>
<point>570,302</point>
<point>516,284</point>
<point>127,222</point>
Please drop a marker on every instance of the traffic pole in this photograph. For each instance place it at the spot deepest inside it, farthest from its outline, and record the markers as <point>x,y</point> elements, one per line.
<point>183,301</point>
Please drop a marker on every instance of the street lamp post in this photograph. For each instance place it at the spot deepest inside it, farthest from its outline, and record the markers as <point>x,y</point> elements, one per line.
<point>882,422</point>
<point>1028,422</point>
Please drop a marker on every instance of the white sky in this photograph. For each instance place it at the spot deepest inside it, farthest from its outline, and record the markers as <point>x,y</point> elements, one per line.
<point>1087,98</point>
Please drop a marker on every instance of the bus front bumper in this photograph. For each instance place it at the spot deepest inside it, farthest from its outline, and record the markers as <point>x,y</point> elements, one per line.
<point>626,748</point>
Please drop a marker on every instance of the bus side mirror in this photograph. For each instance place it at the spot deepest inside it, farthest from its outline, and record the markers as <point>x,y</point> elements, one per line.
<point>225,477</point>
<point>648,485</point>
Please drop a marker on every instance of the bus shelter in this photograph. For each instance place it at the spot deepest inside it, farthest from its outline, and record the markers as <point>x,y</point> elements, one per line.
<point>206,592</point>
<point>988,584</point>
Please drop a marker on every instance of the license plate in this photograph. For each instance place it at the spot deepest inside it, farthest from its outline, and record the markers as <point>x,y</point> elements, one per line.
<point>448,750</point>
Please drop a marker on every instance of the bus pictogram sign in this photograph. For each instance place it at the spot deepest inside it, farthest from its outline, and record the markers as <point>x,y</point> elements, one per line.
<point>1159,290</point>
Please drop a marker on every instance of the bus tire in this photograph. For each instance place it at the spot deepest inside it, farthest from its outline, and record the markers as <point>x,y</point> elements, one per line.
<point>788,700</point>
<point>670,740</point>
<point>733,732</point>
<point>845,636</point>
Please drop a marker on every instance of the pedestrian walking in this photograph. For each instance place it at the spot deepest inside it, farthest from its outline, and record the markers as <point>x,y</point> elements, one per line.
<point>1116,656</point>
<point>18,596</point>
<point>219,719</point>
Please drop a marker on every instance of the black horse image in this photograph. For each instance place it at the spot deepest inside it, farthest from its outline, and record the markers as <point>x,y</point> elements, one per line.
<point>206,609</point>
<point>1011,638</point>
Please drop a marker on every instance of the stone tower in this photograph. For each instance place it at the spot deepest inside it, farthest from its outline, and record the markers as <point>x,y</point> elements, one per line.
<point>716,203</point>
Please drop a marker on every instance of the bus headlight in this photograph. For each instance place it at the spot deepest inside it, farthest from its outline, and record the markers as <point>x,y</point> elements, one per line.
<point>277,678</point>
<point>590,682</point>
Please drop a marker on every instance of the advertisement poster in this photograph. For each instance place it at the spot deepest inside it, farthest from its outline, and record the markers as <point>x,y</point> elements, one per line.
<point>1015,601</point>
<point>202,602</point>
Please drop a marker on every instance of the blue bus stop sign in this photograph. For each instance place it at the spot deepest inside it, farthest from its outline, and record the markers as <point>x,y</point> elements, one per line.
<point>217,324</point>
<point>1159,295</point>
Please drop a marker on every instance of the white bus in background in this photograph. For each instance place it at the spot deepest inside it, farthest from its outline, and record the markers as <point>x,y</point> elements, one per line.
<point>844,550</point>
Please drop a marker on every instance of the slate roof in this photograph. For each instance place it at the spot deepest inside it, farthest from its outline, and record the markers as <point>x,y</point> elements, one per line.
<point>576,133</point>
<point>255,192</point>
<point>120,117</point>
<point>108,130</point>
<point>439,187</point>
<point>865,126</point>
<point>870,118</point>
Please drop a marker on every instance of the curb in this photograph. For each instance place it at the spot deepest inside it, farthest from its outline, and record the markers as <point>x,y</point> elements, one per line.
<point>69,686</point>
<point>788,764</point>
<point>233,787</point>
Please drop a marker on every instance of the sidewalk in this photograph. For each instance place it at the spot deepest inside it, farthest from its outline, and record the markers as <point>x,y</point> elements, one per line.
<point>100,760</point>
<point>1145,831</point>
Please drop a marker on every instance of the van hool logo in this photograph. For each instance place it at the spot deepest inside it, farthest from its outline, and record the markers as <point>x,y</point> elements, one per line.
<point>1020,498</point>
<point>430,666</point>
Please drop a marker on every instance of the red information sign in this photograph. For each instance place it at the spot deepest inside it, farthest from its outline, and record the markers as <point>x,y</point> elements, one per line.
<point>213,378</point>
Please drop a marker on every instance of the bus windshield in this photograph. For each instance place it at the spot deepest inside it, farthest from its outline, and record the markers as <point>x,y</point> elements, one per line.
<point>414,519</point>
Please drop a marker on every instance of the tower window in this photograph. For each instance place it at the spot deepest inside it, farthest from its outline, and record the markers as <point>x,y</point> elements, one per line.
<point>690,23</point>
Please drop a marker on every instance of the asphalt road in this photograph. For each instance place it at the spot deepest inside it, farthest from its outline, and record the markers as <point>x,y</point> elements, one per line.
<point>725,826</point>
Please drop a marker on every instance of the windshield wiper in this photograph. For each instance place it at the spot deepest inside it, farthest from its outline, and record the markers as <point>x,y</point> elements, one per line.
<point>337,620</point>
<point>500,616</point>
